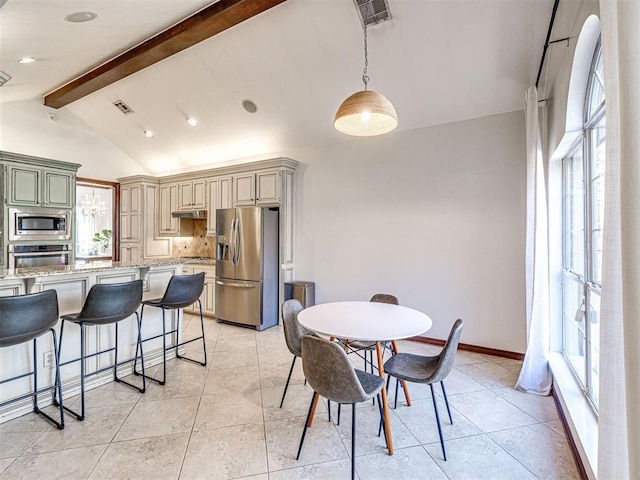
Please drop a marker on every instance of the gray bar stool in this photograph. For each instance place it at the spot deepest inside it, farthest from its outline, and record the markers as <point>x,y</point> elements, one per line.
<point>106,304</point>
<point>25,318</point>
<point>182,291</point>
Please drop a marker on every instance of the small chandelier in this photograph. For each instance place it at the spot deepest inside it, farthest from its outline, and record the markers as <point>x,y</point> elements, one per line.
<point>366,113</point>
<point>93,206</point>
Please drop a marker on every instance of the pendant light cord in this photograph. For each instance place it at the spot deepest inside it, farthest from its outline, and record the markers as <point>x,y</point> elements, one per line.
<point>365,77</point>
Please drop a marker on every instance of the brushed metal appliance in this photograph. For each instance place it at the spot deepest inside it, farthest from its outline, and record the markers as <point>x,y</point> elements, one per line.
<point>39,224</point>
<point>27,256</point>
<point>247,266</point>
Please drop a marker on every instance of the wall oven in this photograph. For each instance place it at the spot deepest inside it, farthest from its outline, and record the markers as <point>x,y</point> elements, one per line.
<point>39,224</point>
<point>27,256</point>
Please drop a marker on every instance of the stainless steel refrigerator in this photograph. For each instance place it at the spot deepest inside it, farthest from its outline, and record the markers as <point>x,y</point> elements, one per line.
<point>247,266</point>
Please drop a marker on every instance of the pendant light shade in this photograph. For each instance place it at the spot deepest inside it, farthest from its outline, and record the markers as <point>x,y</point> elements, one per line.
<point>365,114</point>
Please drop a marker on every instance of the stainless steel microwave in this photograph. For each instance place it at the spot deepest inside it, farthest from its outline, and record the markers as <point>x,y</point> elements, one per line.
<point>39,224</point>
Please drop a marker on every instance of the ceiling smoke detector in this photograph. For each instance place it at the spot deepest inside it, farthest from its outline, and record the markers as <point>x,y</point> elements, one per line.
<point>123,107</point>
<point>372,11</point>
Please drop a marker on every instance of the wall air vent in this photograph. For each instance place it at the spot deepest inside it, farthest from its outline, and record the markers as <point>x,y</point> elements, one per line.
<point>373,11</point>
<point>120,105</point>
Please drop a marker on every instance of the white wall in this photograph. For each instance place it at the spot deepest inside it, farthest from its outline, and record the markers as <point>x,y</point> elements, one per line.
<point>25,128</point>
<point>435,216</point>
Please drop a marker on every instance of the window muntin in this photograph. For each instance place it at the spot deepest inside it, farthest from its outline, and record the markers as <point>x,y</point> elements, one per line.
<point>595,97</point>
<point>596,200</point>
<point>583,213</point>
<point>574,212</point>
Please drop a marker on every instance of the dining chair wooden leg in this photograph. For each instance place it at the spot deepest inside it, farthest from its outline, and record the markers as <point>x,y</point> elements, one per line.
<point>307,423</point>
<point>385,407</point>
<point>314,405</point>
<point>394,349</point>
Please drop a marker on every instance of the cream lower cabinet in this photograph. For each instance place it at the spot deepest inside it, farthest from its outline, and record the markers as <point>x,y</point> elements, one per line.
<point>208,297</point>
<point>130,253</point>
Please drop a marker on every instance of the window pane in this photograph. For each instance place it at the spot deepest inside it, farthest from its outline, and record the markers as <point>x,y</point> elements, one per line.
<point>596,86</point>
<point>574,213</point>
<point>597,199</point>
<point>594,344</point>
<point>573,322</point>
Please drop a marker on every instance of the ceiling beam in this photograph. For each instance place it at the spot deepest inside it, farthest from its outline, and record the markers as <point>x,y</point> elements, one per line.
<point>204,24</point>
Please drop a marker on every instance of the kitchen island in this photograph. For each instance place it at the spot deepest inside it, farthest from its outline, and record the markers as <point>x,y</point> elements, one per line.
<point>72,284</point>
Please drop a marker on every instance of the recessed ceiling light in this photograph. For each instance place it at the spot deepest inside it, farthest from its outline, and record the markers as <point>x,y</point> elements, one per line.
<point>80,17</point>
<point>27,60</point>
<point>249,106</point>
<point>148,133</point>
<point>192,122</point>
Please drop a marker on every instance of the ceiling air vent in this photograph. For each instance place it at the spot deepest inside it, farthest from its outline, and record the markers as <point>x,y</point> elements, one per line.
<point>120,105</point>
<point>373,11</point>
<point>4,77</point>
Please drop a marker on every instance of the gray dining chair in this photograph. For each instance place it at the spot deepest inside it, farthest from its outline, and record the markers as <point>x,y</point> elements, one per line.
<point>357,346</point>
<point>429,370</point>
<point>332,375</point>
<point>293,333</point>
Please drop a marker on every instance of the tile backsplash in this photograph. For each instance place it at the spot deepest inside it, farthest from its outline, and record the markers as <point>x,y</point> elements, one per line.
<point>199,245</point>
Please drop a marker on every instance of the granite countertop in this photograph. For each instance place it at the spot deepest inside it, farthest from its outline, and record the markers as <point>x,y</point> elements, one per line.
<point>99,266</point>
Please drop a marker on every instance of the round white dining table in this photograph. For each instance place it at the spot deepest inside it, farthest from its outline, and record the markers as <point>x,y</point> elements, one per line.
<point>368,321</point>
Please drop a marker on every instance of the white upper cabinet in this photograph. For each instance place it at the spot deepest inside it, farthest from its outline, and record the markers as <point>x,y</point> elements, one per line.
<point>130,213</point>
<point>268,187</point>
<point>257,188</point>
<point>218,196</point>
<point>168,203</point>
<point>244,189</point>
<point>139,218</point>
<point>192,195</point>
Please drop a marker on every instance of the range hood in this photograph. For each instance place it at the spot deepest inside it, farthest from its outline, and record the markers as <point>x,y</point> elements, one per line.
<point>190,214</point>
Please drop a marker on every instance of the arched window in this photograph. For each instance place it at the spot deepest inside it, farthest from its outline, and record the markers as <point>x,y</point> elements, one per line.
<point>583,171</point>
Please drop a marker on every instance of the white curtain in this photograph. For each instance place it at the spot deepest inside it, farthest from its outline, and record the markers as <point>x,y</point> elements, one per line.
<point>619,420</point>
<point>535,376</point>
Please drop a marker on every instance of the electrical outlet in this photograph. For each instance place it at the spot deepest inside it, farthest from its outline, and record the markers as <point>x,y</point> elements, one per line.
<point>48,359</point>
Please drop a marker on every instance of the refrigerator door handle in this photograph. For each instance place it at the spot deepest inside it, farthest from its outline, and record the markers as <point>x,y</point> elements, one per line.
<point>232,243</point>
<point>235,284</point>
<point>236,241</point>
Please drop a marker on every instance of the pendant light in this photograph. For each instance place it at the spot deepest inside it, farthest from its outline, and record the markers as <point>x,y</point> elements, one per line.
<point>366,113</point>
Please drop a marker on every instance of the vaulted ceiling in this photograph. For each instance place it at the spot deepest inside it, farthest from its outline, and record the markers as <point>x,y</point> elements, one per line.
<point>437,61</point>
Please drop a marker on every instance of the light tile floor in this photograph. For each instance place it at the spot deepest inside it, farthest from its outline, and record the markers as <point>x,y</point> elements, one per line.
<point>223,422</point>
